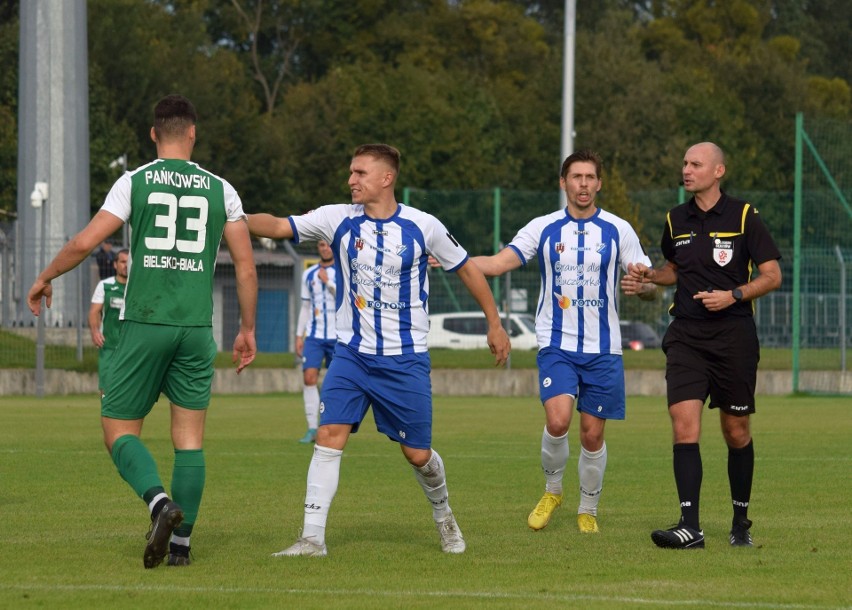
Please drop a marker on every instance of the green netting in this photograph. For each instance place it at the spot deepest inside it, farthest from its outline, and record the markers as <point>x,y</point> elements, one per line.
<point>474,216</point>
<point>807,315</point>
<point>822,243</point>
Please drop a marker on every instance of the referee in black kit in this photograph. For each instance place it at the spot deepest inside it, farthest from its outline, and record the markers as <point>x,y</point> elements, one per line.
<point>711,243</point>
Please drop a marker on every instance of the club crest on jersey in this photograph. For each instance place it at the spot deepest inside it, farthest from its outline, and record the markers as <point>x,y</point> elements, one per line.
<point>400,249</point>
<point>560,247</point>
<point>359,243</point>
<point>723,251</point>
<point>600,247</point>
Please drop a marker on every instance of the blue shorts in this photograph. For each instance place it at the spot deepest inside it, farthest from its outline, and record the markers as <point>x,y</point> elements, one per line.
<point>398,388</point>
<point>596,381</point>
<point>317,350</point>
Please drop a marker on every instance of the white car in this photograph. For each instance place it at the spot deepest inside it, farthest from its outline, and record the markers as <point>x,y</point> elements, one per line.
<point>468,329</point>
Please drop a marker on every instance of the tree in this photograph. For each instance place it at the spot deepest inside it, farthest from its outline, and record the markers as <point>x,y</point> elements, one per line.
<point>732,85</point>
<point>9,28</point>
<point>110,138</point>
<point>615,198</point>
<point>269,34</point>
<point>822,27</point>
<point>470,90</point>
<point>623,107</point>
<point>464,91</point>
<point>140,52</point>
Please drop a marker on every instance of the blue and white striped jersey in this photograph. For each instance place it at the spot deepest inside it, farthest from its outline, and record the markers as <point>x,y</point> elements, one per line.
<point>321,298</point>
<point>579,259</point>
<point>382,280</point>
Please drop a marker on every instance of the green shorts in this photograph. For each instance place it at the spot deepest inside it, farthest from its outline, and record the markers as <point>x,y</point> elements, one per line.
<point>153,358</point>
<point>104,357</point>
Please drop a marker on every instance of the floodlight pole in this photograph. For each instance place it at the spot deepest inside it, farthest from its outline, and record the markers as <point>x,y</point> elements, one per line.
<point>568,88</point>
<point>38,200</point>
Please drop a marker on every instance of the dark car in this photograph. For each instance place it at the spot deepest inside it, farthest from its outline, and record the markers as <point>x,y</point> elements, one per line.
<point>638,335</point>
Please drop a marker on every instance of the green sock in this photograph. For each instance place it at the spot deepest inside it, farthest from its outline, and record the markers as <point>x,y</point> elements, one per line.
<point>135,464</point>
<point>188,485</point>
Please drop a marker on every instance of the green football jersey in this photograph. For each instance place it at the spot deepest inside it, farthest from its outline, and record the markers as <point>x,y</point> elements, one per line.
<point>177,212</point>
<point>110,292</point>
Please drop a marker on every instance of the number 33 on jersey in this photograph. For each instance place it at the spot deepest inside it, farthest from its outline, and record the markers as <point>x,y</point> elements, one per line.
<point>177,212</point>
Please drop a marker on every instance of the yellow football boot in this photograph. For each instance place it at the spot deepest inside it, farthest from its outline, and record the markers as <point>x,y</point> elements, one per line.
<point>540,516</point>
<point>587,523</point>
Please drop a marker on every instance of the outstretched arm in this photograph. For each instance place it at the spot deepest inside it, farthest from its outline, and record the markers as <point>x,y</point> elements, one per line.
<point>497,264</point>
<point>267,225</point>
<point>632,286</point>
<point>661,276</point>
<point>72,254</point>
<point>498,340</point>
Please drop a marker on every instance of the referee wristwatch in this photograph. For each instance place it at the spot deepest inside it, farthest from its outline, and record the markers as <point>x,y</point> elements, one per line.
<point>737,294</point>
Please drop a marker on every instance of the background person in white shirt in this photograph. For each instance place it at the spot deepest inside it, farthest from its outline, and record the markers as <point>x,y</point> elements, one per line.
<point>104,313</point>
<point>315,331</point>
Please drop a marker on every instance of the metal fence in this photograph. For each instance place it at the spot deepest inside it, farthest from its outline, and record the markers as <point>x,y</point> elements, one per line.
<point>66,338</point>
<point>481,224</point>
<point>822,244</point>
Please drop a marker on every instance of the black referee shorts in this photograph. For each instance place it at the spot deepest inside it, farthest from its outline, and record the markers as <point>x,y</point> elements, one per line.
<point>715,358</point>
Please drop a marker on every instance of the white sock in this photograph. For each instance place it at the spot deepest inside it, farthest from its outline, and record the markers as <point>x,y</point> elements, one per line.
<point>312,401</point>
<point>433,480</point>
<point>156,499</point>
<point>182,540</point>
<point>591,467</point>
<point>554,456</point>
<point>323,476</point>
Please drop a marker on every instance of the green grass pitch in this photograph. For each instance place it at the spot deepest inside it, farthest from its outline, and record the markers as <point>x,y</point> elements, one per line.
<point>72,531</point>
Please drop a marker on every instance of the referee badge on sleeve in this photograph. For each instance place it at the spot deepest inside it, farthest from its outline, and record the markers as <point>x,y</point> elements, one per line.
<point>723,251</point>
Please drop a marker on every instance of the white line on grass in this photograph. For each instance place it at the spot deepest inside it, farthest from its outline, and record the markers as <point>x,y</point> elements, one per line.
<point>538,597</point>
